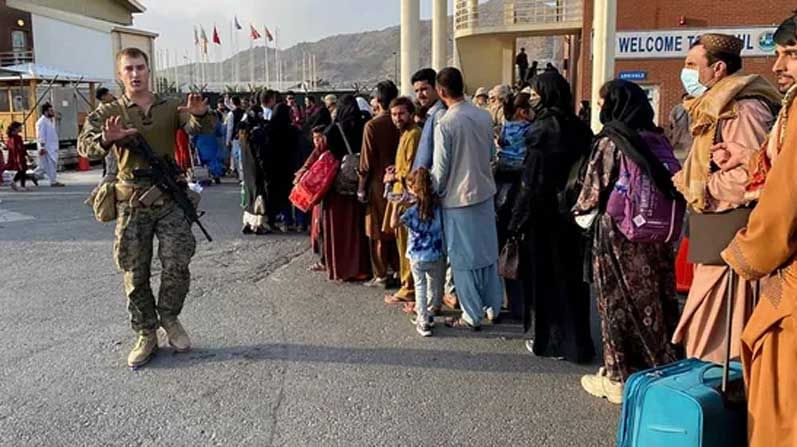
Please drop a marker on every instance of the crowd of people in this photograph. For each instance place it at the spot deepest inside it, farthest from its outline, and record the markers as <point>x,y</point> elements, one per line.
<point>438,195</point>
<point>506,205</point>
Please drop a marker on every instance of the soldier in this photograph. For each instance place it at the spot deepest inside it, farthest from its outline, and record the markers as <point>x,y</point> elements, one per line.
<point>157,119</point>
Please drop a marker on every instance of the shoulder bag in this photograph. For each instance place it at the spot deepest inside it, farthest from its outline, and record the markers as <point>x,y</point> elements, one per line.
<point>348,178</point>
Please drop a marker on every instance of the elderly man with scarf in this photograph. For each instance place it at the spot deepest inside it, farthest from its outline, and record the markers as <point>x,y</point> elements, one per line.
<point>731,114</point>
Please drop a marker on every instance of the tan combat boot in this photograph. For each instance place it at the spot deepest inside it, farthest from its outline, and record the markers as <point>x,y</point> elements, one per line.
<point>177,336</point>
<point>145,348</point>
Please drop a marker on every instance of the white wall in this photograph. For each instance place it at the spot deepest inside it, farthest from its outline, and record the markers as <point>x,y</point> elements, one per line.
<point>72,47</point>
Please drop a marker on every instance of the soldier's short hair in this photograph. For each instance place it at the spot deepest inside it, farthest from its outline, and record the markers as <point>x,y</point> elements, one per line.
<point>131,52</point>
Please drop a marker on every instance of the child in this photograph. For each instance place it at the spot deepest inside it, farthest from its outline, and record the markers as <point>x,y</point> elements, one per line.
<point>17,157</point>
<point>425,248</point>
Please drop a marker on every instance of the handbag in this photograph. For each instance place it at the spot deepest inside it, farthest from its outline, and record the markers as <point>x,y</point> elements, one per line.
<point>315,183</point>
<point>348,179</point>
<point>509,260</point>
<point>711,233</point>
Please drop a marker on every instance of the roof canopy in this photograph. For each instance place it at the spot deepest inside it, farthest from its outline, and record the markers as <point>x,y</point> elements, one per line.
<point>33,71</point>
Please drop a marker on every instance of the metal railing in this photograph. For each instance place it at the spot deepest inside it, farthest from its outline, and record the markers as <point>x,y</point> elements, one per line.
<point>470,14</point>
<point>8,58</point>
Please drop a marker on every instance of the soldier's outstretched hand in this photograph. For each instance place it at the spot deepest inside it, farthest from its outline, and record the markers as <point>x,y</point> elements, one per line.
<point>195,105</point>
<point>114,130</point>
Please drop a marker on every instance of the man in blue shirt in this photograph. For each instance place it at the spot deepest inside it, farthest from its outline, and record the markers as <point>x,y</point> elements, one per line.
<point>423,83</point>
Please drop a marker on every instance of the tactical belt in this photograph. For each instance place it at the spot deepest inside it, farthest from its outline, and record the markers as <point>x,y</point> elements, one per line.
<point>133,193</point>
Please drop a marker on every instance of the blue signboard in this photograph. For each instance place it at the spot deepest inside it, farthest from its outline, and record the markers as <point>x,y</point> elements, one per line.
<point>638,75</point>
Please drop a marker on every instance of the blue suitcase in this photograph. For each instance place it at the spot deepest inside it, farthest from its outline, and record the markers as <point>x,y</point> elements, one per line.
<point>690,403</point>
<point>681,405</point>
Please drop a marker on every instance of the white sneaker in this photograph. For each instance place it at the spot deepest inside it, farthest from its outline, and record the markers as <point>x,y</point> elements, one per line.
<point>599,385</point>
<point>424,329</point>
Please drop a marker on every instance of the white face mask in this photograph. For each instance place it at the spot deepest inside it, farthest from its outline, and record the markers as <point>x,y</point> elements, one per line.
<point>534,100</point>
<point>690,78</point>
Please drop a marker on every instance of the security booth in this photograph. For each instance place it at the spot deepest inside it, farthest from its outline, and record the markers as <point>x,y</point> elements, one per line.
<point>24,88</point>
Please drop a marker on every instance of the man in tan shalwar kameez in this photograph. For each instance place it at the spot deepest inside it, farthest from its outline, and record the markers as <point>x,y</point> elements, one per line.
<point>738,109</point>
<point>766,251</point>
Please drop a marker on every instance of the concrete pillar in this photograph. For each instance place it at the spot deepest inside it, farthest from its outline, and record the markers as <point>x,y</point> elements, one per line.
<point>439,34</point>
<point>603,41</point>
<point>508,61</point>
<point>410,42</point>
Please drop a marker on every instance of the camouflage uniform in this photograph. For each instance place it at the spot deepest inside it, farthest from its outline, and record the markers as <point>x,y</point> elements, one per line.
<point>136,224</point>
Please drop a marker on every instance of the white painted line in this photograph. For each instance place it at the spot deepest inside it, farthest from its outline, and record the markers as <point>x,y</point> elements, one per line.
<point>7,216</point>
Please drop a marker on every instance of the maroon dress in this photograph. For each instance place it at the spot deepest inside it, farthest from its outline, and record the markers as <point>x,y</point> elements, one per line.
<point>345,244</point>
<point>17,157</point>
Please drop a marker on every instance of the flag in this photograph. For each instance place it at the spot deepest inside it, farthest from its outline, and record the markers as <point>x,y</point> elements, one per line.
<point>204,38</point>
<point>216,38</point>
<point>268,34</point>
<point>255,34</point>
<point>237,25</point>
<point>196,36</point>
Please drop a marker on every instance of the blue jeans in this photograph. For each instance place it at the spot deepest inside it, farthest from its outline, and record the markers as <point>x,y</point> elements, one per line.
<point>430,277</point>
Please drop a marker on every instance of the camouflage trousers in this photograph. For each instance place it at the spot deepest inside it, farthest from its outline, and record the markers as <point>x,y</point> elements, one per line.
<point>136,228</point>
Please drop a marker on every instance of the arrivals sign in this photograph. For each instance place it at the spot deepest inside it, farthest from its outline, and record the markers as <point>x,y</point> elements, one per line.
<point>674,44</point>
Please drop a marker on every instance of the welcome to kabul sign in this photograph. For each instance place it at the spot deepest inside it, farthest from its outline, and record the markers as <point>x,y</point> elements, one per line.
<point>674,44</point>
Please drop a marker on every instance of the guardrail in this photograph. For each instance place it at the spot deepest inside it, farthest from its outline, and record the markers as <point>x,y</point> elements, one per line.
<point>8,58</point>
<point>470,15</point>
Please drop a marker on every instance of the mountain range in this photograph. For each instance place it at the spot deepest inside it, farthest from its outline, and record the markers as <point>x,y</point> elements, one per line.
<point>346,59</point>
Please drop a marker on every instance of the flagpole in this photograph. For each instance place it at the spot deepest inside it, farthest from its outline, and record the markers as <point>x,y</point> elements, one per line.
<point>237,61</point>
<point>278,57</point>
<point>176,74</point>
<point>315,72</point>
<point>265,39</point>
<point>251,60</point>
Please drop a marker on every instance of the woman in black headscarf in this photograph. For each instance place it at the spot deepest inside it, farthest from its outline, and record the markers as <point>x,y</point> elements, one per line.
<point>345,245</point>
<point>556,300</point>
<point>253,187</point>
<point>635,281</point>
<point>280,151</point>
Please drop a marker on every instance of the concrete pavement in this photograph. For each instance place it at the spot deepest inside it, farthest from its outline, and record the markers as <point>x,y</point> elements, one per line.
<point>282,356</point>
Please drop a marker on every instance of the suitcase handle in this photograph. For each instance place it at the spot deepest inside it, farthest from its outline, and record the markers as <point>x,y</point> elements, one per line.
<point>730,295</point>
<point>706,368</point>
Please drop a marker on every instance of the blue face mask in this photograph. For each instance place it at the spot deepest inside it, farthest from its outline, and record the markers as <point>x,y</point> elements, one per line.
<point>690,78</point>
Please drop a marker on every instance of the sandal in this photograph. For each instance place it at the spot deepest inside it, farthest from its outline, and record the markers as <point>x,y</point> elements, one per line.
<point>408,308</point>
<point>317,267</point>
<point>459,323</point>
<point>395,299</point>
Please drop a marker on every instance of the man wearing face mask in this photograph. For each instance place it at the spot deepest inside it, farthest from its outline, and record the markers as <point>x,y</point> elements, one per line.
<point>731,114</point>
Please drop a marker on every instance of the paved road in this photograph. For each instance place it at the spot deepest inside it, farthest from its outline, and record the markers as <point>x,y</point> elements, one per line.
<point>282,357</point>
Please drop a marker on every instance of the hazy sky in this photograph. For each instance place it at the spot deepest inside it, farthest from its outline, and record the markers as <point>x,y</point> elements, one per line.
<point>297,20</point>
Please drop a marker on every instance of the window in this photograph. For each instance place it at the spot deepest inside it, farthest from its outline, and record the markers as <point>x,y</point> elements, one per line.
<point>19,96</point>
<point>5,106</point>
<point>19,40</point>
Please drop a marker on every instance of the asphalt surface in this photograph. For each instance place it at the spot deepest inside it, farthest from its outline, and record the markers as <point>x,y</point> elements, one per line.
<point>281,356</point>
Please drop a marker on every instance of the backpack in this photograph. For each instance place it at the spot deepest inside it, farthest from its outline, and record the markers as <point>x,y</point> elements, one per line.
<point>640,210</point>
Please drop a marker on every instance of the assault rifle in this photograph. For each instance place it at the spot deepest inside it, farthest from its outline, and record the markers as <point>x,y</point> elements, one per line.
<point>164,173</point>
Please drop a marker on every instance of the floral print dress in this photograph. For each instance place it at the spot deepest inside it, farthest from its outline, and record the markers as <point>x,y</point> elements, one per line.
<point>635,282</point>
